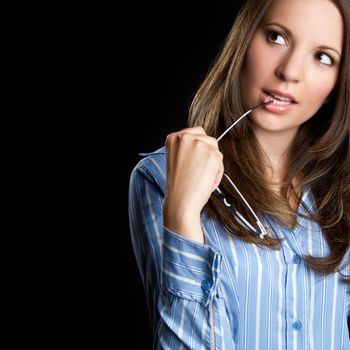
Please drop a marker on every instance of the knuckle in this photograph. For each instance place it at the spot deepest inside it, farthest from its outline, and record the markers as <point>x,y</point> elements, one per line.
<point>202,146</point>
<point>216,157</point>
<point>213,140</point>
<point>185,137</point>
<point>213,154</point>
<point>216,144</point>
<point>169,138</point>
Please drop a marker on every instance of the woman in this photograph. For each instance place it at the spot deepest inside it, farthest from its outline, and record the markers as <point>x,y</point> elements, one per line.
<point>242,238</point>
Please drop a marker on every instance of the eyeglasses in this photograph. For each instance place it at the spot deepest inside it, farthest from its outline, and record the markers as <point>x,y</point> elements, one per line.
<point>235,213</point>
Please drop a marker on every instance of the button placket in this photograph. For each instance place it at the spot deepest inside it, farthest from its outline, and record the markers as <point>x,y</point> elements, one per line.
<point>296,259</point>
<point>206,285</point>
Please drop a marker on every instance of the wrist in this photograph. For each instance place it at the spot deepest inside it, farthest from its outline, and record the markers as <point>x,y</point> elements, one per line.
<point>186,223</point>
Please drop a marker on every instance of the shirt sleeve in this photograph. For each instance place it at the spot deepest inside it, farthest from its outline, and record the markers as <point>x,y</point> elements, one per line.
<point>348,315</point>
<point>347,272</point>
<point>348,311</point>
<point>180,276</point>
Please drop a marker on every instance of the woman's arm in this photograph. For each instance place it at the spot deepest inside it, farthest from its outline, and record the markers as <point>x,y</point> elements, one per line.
<point>348,312</point>
<point>180,276</point>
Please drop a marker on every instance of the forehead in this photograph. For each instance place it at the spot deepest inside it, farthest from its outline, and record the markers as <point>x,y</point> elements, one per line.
<point>316,20</point>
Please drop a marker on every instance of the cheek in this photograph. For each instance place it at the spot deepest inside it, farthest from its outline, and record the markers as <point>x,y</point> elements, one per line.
<point>320,88</point>
<point>257,63</point>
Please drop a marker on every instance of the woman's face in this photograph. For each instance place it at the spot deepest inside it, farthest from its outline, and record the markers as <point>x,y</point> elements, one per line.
<point>294,59</point>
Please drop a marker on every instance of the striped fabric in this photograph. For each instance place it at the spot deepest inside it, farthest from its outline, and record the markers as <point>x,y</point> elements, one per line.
<point>229,294</point>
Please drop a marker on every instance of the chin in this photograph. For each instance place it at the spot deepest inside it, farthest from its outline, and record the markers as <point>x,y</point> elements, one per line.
<point>271,125</point>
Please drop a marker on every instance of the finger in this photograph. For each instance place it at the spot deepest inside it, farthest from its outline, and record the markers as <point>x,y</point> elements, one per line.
<point>170,142</point>
<point>200,137</point>
<point>202,140</point>
<point>172,137</point>
<point>194,130</point>
<point>218,177</point>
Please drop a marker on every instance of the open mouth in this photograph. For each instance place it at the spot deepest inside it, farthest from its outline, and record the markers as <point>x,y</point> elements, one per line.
<point>279,100</point>
<point>280,103</point>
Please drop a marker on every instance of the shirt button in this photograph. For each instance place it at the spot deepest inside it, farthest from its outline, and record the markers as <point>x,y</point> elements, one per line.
<point>296,259</point>
<point>206,285</point>
<point>296,325</point>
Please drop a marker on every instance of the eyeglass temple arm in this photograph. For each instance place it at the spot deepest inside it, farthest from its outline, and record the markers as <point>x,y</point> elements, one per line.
<point>238,215</point>
<point>241,117</point>
<point>258,222</point>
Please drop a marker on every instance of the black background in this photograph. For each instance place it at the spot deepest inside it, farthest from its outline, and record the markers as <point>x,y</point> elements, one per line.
<point>114,81</point>
<point>137,67</point>
<point>164,52</point>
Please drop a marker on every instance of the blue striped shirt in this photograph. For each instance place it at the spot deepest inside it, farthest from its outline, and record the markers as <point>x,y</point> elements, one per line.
<point>229,294</point>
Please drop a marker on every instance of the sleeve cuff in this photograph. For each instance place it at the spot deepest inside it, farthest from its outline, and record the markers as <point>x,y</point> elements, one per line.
<point>190,270</point>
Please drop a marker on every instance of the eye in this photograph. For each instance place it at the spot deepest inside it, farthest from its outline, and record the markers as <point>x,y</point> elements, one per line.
<point>325,59</point>
<point>275,37</point>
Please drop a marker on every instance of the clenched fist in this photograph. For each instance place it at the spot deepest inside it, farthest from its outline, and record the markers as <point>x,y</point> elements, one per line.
<point>194,170</point>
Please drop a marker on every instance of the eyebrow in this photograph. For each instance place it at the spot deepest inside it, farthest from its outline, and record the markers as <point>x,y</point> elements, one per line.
<point>322,47</point>
<point>329,48</point>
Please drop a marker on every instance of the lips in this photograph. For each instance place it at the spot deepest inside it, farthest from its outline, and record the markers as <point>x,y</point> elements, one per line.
<point>280,97</point>
<point>282,102</point>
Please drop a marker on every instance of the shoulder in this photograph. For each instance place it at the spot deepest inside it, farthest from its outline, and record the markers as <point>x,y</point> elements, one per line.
<point>152,167</point>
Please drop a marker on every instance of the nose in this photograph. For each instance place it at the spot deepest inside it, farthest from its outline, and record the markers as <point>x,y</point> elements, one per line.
<point>290,67</point>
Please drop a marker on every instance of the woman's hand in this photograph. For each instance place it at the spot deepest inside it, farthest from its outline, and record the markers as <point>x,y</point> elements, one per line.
<point>194,170</point>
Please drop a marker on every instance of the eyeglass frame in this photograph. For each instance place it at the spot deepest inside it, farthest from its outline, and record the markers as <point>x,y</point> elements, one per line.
<point>236,214</point>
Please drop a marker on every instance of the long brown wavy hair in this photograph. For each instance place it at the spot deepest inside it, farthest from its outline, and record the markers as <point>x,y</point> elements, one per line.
<point>319,157</point>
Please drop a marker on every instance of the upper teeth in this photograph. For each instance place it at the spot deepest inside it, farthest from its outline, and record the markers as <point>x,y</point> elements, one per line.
<point>281,98</point>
